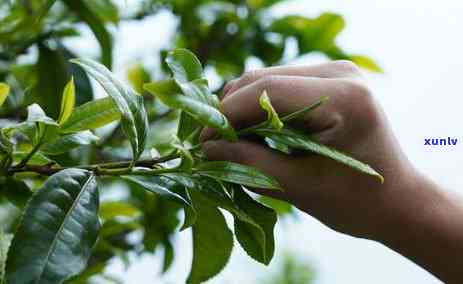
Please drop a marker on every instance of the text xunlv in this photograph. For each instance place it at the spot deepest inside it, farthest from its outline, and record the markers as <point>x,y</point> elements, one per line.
<point>441,141</point>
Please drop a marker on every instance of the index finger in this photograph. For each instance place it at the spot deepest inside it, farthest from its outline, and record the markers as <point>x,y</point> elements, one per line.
<point>287,94</point>
<point>333,69</point>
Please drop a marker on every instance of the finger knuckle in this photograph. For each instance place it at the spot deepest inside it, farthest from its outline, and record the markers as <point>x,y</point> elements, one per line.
<point>230,85</point>
<point>362,101</point>
<point>268,82</point>
<point>358,90</point>
<point>248,77</point>
<point>347,67</point>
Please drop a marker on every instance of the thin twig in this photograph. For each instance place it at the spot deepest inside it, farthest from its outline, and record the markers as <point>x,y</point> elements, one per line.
<point>113,168</point>
<point>29,156</point>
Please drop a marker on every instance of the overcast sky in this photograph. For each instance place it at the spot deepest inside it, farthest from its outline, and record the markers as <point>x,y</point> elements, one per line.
<point>419,44</point>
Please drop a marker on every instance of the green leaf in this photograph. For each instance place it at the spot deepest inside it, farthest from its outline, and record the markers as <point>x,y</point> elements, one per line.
<point>110,210</point>
<point>43,10</point>
<point>4,92</point>
<point>316,34</point>
<point>327,27</point>
<point>188,74</point>
<point>51,81</point>
<point>105,9</point>
<point>46,133</point>
<point>68,142</point>
<point>81,80</point>
<point>300,113</point>
<point>164,186</point>
<point>300,141</point>
<point>169,93</point>
<point>92,115</point>
<point>68,102</point>
<point>367,63</point>
<point>218,194</point>
<point>292,270</point>
<point>59,228</point>
<point>184,65</point>
<point>272,116</point>
<point>134,118</point>
<point>210,189</point>
<point>48,86</point>
<point>215,193</point>
<point>15,191</point>
<point>5,240</point>
<point>6,149</point>
<point>35,17</point>
<point>48,83</point>
<point>187,159</point>
<point>212,242</point>
<point>114,227</point>
<point>277,146</point>
<point>138,76</point>
<point>237,173</point>
<point>161,133</point>
<point>282,208</point>
<point>168,256</point>
<point>97,26</point>
<point>46,128</point>
<point>199,90</point>
<point>36,114</point>
<point>38,159</point>
<point>190,218</point>
<point>260,4</point>
<point>24,128</point>
<point>187,126</point>
<point>255,237</point>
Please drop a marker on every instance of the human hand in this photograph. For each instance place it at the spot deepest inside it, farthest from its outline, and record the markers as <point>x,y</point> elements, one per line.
<point>350,121</point>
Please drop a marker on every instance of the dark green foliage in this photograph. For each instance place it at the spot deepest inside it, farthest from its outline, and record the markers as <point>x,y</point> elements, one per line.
<point>15,191</point>
<point>255,234</point>
<point>292,271</point>
<point>96,25</point>
<point>52,155</point>
<point>134,119</point>
<point>57,231</point>
<point>52,80</point>
<point>296,140</point>
<point>236,173</point>
<point>212,242</point>
<point>92,115</point>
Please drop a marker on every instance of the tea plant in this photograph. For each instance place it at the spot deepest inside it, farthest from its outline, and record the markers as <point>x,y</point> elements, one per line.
<point>64,154</point>
<point>60,224</point>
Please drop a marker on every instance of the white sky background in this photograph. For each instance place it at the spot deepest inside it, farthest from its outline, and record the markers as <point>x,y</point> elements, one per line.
<point>419,44</point>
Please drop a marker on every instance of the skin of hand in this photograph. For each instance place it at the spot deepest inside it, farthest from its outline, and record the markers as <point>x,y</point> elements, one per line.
<point>407,213</point>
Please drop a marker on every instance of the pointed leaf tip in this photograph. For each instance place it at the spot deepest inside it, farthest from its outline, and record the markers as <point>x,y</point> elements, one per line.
<point>68,101</point>
<point>4,92</point>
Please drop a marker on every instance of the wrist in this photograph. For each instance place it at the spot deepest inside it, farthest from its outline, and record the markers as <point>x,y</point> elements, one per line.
<point>408,206</point>
<point>425,224</point>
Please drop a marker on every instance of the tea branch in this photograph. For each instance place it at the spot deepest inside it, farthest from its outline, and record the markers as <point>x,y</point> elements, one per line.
<point>102,169</point>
